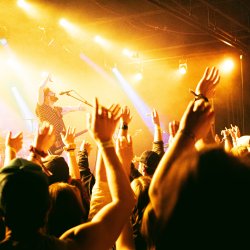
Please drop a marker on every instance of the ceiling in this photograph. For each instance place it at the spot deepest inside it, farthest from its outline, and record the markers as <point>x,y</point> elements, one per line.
<point>156,28</point>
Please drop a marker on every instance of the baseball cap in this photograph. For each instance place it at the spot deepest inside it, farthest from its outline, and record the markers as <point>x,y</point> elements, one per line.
<point>58,167</point>
<point>151,160</point>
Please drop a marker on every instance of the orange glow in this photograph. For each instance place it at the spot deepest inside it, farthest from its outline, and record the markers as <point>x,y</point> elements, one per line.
<point>227,66</point>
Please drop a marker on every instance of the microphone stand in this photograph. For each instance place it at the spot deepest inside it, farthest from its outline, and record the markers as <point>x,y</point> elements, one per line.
<point>81,100</point>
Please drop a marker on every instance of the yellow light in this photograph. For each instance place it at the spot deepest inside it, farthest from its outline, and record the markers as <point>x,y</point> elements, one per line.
<point>101,41</point>
<point>69,27</point>
<point>28,8</point>
<point>227,66</point>
<point>183,69</point>
<point>64,23</point>
<point>23,4</point>
<point>98,39</point>
<point>138,77</point>
<point>127,52</point>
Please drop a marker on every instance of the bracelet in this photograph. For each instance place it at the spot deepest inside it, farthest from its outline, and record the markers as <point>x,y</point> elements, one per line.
<point>11,149</point>
<point>37,152</point>
<point>124,126</point>
<point>188,134</point>
<point>158,127</point>
<point>199,96</point>
<point>38,159</point>
<point>70,147</point>
<point>106,144</point>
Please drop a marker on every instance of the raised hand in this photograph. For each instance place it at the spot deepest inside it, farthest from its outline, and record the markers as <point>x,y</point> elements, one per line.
<point>173,127</point>
<point>208,82</point>
<point>124,150</point>
<point>85,145</point>
<point>104,122</point>
<point>225,133</point>
<point>125,115</point>
<point>197,119</point>
<point>234,132</point>
<point>14,142</point>
<point>155,117</point>
<point>44,137</point>
<point>217,139</point>
<point>68,137</point>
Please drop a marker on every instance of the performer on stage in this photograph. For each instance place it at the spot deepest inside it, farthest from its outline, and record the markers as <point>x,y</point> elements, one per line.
<point>47,111</point>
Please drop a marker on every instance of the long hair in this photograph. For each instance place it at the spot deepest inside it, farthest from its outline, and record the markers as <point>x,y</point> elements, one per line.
<point>66,209</point>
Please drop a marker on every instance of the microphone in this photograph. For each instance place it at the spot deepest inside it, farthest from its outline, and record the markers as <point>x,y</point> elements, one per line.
<point>65,92</point>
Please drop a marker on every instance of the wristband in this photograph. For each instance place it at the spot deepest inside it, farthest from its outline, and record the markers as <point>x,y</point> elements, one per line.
<point>199,96</point>
<point>37,152</point>
<point>106,144</point>
<point>70,147</point>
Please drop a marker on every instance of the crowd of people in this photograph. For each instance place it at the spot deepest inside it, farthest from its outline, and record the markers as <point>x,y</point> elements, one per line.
<point>193,195</point>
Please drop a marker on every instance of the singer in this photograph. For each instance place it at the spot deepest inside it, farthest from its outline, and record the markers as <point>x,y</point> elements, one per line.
<point>47,111</point>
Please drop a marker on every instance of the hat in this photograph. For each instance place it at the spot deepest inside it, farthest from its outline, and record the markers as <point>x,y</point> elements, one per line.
<point>151,160</point>
<point>58,167</point>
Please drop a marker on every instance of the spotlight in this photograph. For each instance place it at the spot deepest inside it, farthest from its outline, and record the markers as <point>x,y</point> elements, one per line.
<point>3,42</point>
<point>22,4</point>
<point>28,8</point>
<point>127,52</point>
<point>71,28</point>
<point>101,41</point>
<point>138,77</point>
<point>183,68</point>
<point>63,22</point>
<point>227,66</point>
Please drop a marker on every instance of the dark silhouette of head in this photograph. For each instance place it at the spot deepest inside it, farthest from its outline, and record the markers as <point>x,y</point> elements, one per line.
<point>148,162</point>
<point>66,210</point>
<point>58,167</point>
<point>207,203</point>
<point>24,196</point>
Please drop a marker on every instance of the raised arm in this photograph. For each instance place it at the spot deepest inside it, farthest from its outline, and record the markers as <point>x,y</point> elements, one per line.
<point>13,144</point>
<point>194,125</point>
<point>124,121</point>
<point>207,84</point>
<point>109,221</point>
<point>226,139</point>
<point>68,139</point>
<point>124,149</point>
<point>40,100</point>
<point>69,109</point>
<point>173,127</point>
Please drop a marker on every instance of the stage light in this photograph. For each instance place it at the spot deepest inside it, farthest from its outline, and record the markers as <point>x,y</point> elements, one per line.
<point>28,8</point>
<point>127,52</point>
<point>69,27</point>
<point>3,42</point>
<point>23,4</point>
<point>138,77</point>
<point>182,68</point>
<point>101,41</point>
<point>63,22</point>
<point>227,66</point>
